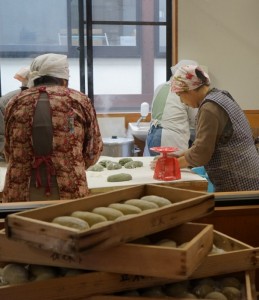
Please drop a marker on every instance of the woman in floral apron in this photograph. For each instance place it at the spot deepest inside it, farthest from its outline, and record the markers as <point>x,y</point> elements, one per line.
<point>51,136</point>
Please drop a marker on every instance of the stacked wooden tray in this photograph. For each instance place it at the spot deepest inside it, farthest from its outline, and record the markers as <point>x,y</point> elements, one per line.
<point>125,255</point>
<point>247,290</point>
<point>35,226</point>
<point>131,258</point>
<point>237,257</point>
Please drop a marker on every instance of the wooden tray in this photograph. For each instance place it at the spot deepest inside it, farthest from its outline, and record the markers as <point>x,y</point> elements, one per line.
<point>94,284</point>
<point>237,257</point>
<point>158,261</point>
<point>35,226</point>
<point>212,264</point>
<point>248,291</point>
<point>76,287</point>
<point>81,286</point>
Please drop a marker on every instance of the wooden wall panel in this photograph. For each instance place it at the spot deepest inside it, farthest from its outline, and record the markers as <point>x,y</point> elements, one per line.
<point>252,115</point>
<point>240,222</point>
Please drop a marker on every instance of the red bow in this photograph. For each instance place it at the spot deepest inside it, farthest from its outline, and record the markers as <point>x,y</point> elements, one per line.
<point>50,171</point>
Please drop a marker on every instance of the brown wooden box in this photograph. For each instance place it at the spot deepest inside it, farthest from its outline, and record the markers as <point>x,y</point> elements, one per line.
<point>130,258</point>
<point>212,264</point>
<point>237,257</point>
<point>246,278</point>
<point>97,283</point>
<point>77,287</point>
<point>35,226</point>
<point>81,286</point>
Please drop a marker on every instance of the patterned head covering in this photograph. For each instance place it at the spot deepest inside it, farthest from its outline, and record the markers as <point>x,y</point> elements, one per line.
<point>183,62</point>
<point>186,79</point>
<point>51,64</point>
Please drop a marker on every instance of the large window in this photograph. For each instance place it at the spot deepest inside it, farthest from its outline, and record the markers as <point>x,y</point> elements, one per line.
<point>119,50</point>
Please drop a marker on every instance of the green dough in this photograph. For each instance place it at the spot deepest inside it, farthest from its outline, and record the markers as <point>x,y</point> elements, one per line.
<point>138,163</point>
<point>133,164</point>
<point>96,168</point>
<point>160,201</point>
<point>202,290</point>
<point>71,222</point>
<point>216,295</point>
<point>123,161</point>
<point>142,204</point>
<point>232,293</point>
<point>113,166</point>
<point>230,281</point>
<point>130,165</point>
<point>15,273</point>
<point>104,163</point>
<point>119,177</point>
<point>89,217</point>
<point>109,213</point>
<point>126,209</point>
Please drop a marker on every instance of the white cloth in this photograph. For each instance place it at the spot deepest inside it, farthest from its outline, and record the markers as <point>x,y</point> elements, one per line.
<point>51,64</point>
<point>175,118</point>
<point>22,75</point>
<point>177,121</point>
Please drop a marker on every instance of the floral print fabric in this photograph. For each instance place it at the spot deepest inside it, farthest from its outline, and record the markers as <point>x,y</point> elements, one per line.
<point>185,79</point>
<point>77,142</point>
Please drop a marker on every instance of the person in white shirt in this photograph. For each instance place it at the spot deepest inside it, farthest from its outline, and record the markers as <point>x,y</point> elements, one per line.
<point>172,122</point>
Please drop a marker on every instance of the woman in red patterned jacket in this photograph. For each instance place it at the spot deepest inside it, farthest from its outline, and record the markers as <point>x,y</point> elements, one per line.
<point>52,136</point>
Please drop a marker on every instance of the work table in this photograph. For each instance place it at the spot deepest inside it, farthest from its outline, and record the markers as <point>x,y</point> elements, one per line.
<point>97,181</point>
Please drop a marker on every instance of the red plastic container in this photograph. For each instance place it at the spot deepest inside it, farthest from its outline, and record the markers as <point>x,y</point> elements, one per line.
<point>167,168</point>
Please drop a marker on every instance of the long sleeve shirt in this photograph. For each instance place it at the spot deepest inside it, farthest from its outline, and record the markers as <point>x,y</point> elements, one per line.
<point>212,121</point>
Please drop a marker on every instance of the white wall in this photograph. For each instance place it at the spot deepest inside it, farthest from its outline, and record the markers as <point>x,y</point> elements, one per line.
<point>224,36</point>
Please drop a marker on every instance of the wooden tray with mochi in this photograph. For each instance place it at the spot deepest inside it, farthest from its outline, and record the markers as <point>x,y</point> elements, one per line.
<point>37,228</point>
<point>221,261</point>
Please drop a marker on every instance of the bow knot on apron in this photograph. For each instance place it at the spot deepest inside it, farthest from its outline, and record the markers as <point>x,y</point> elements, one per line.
<point>49,168</point>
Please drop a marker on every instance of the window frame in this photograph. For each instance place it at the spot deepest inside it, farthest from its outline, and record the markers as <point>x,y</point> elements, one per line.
<point>86,53</point>
<point>81,52</point>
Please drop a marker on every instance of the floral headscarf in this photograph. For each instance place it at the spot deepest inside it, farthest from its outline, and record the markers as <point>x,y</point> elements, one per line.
<point>183,62</point>
<point>186,79</point>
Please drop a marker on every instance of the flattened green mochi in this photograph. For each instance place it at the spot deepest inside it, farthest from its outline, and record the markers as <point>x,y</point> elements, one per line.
<point>96,168</point>
<point>119,177</point>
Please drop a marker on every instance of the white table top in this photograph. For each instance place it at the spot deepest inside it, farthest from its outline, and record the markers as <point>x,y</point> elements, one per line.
<point>142,175</point>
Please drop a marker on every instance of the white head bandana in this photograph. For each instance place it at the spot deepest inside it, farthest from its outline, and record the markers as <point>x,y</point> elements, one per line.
<point>51,64</point>
<point>22,75</point>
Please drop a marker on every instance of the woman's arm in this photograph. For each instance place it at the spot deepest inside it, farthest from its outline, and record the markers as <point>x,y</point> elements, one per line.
<point>211,122</point>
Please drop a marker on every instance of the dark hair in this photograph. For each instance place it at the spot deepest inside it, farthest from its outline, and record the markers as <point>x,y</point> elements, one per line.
<point>202,77</point>
<point>23,88</point>
<point>48,80</point>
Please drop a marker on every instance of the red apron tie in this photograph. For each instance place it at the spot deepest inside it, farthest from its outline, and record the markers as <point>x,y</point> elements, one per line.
<point>50,171</point>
